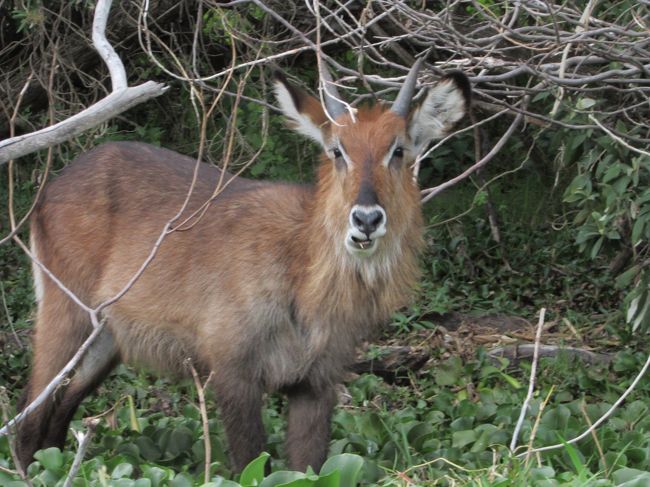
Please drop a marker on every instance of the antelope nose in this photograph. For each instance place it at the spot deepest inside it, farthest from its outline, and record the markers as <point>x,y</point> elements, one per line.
<point>367,221</point>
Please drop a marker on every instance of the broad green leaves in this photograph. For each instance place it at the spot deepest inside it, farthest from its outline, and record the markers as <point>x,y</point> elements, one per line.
<point>254,472</point>
<point>612,194</point>
<point>338,471</point>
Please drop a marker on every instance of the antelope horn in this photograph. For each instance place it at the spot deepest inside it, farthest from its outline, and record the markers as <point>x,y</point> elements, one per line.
<point>331,95</point>
<point>402,103</point>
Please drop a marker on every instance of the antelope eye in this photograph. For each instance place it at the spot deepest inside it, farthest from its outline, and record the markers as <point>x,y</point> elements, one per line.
<point>398,152</point>
<point>337,153</point>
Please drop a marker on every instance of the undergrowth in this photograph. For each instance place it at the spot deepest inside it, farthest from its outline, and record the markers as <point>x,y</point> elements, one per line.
<point>446,423</point>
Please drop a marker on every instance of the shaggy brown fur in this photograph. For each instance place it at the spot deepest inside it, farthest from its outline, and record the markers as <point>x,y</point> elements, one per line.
<point>261,290</point>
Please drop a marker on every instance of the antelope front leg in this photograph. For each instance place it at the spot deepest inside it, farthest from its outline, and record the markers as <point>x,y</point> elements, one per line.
<point>308,434</point>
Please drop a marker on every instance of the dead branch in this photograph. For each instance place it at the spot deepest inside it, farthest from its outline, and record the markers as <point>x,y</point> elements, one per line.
<point>200,390</point>
<point>84,441</point>
<point>600,420</point>
<point>430,193</point>
<point>121,99</point>
<point>531,382</point>
<point>525,351</point>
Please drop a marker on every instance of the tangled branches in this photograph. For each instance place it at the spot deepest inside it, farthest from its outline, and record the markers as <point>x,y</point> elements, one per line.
<point>555,53</point>
<point>548,60</point>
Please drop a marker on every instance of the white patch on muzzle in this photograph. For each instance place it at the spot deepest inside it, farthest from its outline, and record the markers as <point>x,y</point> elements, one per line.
<point>359,244</point>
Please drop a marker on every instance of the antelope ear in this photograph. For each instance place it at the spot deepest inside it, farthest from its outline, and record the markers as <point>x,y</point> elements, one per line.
<point>443,105</point>
<point>305,113</point>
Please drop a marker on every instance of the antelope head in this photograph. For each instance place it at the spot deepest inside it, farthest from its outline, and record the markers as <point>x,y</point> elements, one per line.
<point>366,178</point>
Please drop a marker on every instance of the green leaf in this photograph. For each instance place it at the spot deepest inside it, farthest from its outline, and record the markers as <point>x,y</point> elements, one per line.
<point>133,418</point>
<point>122,470</point>
<point>285,477</point>
<point>511,380</point>
<point>642,316</point>
<point>574,457</point>
<point>148,449</point>
<point>348,464</point>
<point>621,184</point>
<point>579,188</point>
<point>180,441</point>
<point>301,482</point>
<point>123,483</point>
<point>463,438</point>
<point>155,474</point>
<point>596,248</point>
<point>449,372</point>
<point>221,482</point>
<point>637,312</point>
<point>254,471</point>
<point>631,477</point>
<point>585,103</point>
<point>542,95</point>
<point>181,480</point>
<point>625,279</point>
<point>50,458</point>
<point>542,473</point>
<point>556,418</point>
<point>480,198</point>
<point>332,479</point>
<point>637,230</point>
<point>612,172</point>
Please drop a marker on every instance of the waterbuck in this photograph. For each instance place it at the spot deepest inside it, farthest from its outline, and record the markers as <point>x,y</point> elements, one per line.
<point>271,287</point>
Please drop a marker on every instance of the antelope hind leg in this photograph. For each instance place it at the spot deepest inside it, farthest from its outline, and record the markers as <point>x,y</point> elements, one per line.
<point>240,404</point>
<point>47,426</point>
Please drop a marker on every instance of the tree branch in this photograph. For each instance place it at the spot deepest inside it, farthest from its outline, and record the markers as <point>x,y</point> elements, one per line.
<point>121,99</point>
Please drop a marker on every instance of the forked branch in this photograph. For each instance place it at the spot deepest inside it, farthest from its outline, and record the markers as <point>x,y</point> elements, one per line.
<point>121,99</point>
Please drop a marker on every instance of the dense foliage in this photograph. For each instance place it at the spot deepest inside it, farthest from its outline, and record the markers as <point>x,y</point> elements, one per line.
<point>559,219</point>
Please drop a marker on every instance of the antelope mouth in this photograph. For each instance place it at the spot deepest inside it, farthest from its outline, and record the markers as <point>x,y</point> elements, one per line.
<point>361,244</point>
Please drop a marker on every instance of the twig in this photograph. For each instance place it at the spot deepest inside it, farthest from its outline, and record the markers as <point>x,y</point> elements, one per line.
<point>104,48</point>
<point>8,315</point>
<point>105,109</point>
<point>12,450</point>
<point>601,454</point>
<point>432,149</point>
<point>531,382</point>
<point>15,228</point>
<point>121,99</point>
<point>200,389</point>
<point>601,420</point>
<point>538,420</point>
<point>84,441</point>
<point>430,193</point>
<point>618,139</point>
<point>525,350</point>
<point>584,20</point>
<point>94,313</point>
<point>54,383</point>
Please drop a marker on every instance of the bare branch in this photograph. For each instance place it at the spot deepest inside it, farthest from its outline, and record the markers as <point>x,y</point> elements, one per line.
<point>200,390</point>
<point>121,99</point>
<point>104,48</point>
<point>105,109</point>
<point>600,421</point>
<point>84,442</point>
<point>430,193</point>
<point>54,383</point>
<point>531,382</point>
